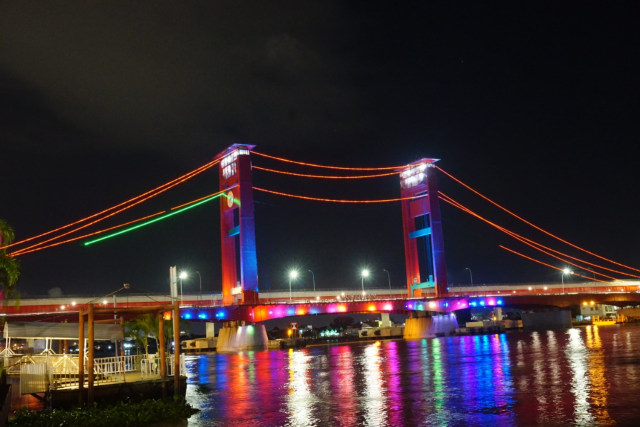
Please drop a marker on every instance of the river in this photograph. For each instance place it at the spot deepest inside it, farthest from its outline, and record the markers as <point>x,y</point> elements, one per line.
<point>580,376</point>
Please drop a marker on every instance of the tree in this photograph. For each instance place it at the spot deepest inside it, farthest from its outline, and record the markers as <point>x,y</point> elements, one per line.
<point>9,266</point>
<point>141,328</point>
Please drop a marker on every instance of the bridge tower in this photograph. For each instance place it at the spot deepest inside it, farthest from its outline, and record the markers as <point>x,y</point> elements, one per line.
<point>422,227</point>
<point>237,227</point>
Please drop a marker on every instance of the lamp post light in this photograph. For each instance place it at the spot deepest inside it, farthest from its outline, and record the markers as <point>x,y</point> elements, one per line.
<point>565,271</point>
<point>293,274</point>
<point>365,273</point>
<point>313,277</point>
<point>200,277</point>
<point>388,277</point>
<point>183,275</point>
<point>470,275</point>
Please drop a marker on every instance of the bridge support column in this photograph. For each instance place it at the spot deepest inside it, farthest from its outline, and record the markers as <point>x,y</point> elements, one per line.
<point>237,226</point>
<point>385,321</point>
<point>422,227</point>
<point>234,337</point>
<point>429,327</point>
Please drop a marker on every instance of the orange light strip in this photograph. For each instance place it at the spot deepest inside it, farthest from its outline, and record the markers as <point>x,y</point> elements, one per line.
<point>319,199</point>
<point>314,165</point>
<point>535,245</point>
<point>126,207</point>
<point>533,225</point>
<point>304,175</point>
<point>519,236</point>
<point>160,189</point>
<point>24,252</point>
<point>548,265</point>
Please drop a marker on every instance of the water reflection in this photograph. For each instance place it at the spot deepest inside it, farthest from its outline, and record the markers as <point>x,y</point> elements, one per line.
<point>586,376</point>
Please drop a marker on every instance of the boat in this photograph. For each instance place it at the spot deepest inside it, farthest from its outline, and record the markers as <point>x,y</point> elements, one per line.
<point>597,321</point>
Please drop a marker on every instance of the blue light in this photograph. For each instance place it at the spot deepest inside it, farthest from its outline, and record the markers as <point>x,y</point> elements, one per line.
<point>291,311</point>
<point>481,302</point>
<point>187,315</point>
<point>473,304</point>
<point>220,315</point>
<point>499,302</point>
<point>202,316</point>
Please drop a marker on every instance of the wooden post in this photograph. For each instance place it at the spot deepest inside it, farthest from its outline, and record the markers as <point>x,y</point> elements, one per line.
<point>176,348</point>
<point>90,363</point>
<point>80,357</point>
<point>161,350</point>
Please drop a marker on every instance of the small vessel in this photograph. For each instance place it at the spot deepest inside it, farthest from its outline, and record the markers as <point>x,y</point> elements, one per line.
<point>597,321</point>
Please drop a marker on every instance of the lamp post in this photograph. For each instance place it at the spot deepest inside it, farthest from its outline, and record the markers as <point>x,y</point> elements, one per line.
<point>470,275</point>
<point>565,271</point>
<point>365,273</point>
<point>183,275</point>
<point>313,277</point>
<point>388,277</point>
<point>292,275</point>
<point>200,277</point>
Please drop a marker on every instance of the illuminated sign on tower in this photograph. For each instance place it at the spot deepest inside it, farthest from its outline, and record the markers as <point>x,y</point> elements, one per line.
<point>237,227</point>
<point>422,228</point>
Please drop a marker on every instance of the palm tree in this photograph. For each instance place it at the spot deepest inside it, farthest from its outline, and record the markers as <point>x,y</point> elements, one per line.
<point>141,328</point>
<point>9,266</point>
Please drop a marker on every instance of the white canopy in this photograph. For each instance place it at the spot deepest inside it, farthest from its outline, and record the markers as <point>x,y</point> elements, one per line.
<point>61,331</point>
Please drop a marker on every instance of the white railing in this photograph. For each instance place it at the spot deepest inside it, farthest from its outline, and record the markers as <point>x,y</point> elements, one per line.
<point>150,367</point>
<point>112,369</point>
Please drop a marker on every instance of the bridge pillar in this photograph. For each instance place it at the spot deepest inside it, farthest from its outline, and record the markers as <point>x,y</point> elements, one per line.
<point>422,227</point>
<point>237,227</point>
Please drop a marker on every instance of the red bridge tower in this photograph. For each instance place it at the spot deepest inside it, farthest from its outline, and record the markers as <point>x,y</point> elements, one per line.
<point>237,227</point>
<point>422,227</point>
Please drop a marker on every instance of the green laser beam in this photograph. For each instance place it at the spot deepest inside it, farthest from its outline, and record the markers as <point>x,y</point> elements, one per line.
<point>151,221</point>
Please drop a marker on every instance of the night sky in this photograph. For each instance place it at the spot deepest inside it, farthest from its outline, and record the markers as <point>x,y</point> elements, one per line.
<point>536,104</point>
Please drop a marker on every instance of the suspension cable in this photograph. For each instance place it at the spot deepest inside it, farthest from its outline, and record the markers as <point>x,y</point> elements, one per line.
<point>533,243</point>
<point>126,205</point>
<point>314,165</point>
<point>24,252</point>
<point>320,199</point>
<point>532,224</point>
<point>304,175</point>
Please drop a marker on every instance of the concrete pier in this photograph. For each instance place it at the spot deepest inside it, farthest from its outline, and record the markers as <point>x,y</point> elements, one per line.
<point>429,327</point>
<point>233,337</point>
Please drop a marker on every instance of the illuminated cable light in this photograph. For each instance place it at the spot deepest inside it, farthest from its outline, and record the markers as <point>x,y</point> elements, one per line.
<point>84,236</point>
<point>306,175</point>
<point>325,166</point>
<point>101,219</point>
<point>170,214</point>
<point>545,264</point>
<point>319,199</point>
<point>533,225</point>
<point>158,190</point>
<point>535,244</point>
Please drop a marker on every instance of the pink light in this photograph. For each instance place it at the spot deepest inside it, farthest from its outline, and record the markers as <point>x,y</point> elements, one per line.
<point>388,306</point>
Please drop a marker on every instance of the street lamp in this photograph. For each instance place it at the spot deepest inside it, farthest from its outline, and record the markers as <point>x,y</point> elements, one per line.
<point>200,277</point>
<point>313,276</point>
<point>293,274</point>
<point>470,275</point>
<point>183,275</point>
<point>365,273</point>
<point>388,277</point>
<point>565,271</point>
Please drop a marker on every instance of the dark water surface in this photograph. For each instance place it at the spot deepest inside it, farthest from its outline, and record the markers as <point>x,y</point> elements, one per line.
<point>580,376</point>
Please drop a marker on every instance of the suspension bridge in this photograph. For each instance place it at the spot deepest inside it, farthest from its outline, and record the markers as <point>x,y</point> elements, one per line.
<point>427,289</point>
